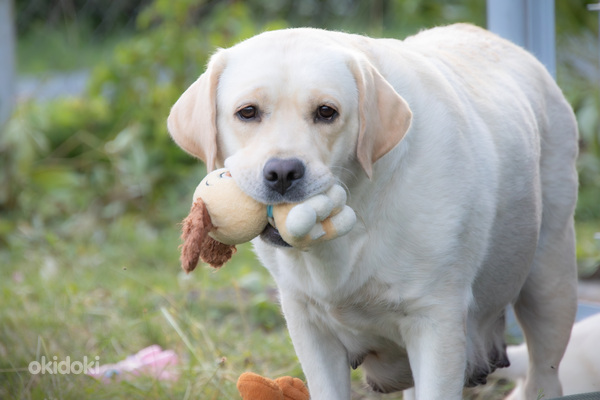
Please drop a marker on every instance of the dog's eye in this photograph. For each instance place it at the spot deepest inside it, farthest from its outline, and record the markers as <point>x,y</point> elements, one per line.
<point>247,113</point>
<point>326,113</point>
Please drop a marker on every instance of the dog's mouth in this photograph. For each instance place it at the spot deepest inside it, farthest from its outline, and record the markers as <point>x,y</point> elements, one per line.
<point>271,235</point>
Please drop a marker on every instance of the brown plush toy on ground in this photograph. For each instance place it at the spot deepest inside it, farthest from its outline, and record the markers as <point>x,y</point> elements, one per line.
<point>255,387</point>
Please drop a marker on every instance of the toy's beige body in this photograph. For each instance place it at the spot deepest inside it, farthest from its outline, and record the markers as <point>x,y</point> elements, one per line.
<point>223,215</point>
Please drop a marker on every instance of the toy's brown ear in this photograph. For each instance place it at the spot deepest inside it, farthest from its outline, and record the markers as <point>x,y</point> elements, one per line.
<point>216,253</point>
<point>192,122</point>
<point>194,233</point>
<point>196,242</point>
<point>384,115</point>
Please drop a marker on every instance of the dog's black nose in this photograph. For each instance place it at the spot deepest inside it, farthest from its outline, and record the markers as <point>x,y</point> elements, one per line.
<point>281,174</point>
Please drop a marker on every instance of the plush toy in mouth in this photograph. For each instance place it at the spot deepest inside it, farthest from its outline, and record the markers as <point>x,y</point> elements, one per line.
<point>222,215</point>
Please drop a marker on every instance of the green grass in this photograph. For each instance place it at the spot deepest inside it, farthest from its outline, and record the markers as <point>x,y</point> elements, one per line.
<point>111,290</point>
<point>588,247</point>
<point>114,292</point>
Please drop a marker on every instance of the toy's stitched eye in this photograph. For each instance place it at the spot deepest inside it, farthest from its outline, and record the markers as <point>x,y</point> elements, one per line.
<point>326,113</point>
<point>247,113</point>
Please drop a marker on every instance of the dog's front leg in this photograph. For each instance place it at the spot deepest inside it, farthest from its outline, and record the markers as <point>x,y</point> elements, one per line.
<point>436,345</point>
<point>323,357</point>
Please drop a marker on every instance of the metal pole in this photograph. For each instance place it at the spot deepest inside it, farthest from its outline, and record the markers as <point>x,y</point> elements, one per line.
<point>507,18</point>
<point>541,40</point>
<point>7,61</point>
<point>596,7</point>
<point>528,23</point>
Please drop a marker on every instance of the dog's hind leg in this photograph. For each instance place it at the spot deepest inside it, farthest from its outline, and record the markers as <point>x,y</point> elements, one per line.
<point>546,310</point>
<point>547,303</point>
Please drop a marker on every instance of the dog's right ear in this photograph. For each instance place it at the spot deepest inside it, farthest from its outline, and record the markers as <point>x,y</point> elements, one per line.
<point>192,122</point>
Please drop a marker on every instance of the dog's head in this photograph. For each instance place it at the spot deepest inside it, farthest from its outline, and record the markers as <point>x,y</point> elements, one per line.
<point>287,111</point>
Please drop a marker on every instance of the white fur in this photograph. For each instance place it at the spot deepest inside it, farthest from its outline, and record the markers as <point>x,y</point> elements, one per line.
<point>467,211</point>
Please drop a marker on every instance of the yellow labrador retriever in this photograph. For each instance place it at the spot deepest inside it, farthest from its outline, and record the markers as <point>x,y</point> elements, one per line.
<point>458,152</point>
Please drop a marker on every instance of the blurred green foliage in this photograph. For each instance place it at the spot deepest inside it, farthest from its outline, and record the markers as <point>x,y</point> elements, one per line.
<point>99,15</point>
<point>580,80</point>
<point>107,153</point>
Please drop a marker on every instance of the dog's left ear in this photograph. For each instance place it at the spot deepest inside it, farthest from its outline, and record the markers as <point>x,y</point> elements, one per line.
<point>384,115</point>
<point>192,122</point>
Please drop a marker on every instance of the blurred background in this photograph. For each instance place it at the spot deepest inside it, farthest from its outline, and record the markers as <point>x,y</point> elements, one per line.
<point>92,188</point>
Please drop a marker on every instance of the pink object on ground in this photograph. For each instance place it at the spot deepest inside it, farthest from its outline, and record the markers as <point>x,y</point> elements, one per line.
<point>151,361</point>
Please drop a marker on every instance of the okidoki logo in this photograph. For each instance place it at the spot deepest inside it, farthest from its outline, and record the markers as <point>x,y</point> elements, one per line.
<point>63,367</point>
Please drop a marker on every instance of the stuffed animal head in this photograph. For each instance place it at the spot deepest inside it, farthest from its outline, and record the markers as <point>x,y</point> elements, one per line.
<point>235,216</point>
<point>221,217</point>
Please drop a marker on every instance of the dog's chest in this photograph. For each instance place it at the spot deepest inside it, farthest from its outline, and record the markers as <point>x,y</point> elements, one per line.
<point>365,321</point>
<point>364,307</point>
